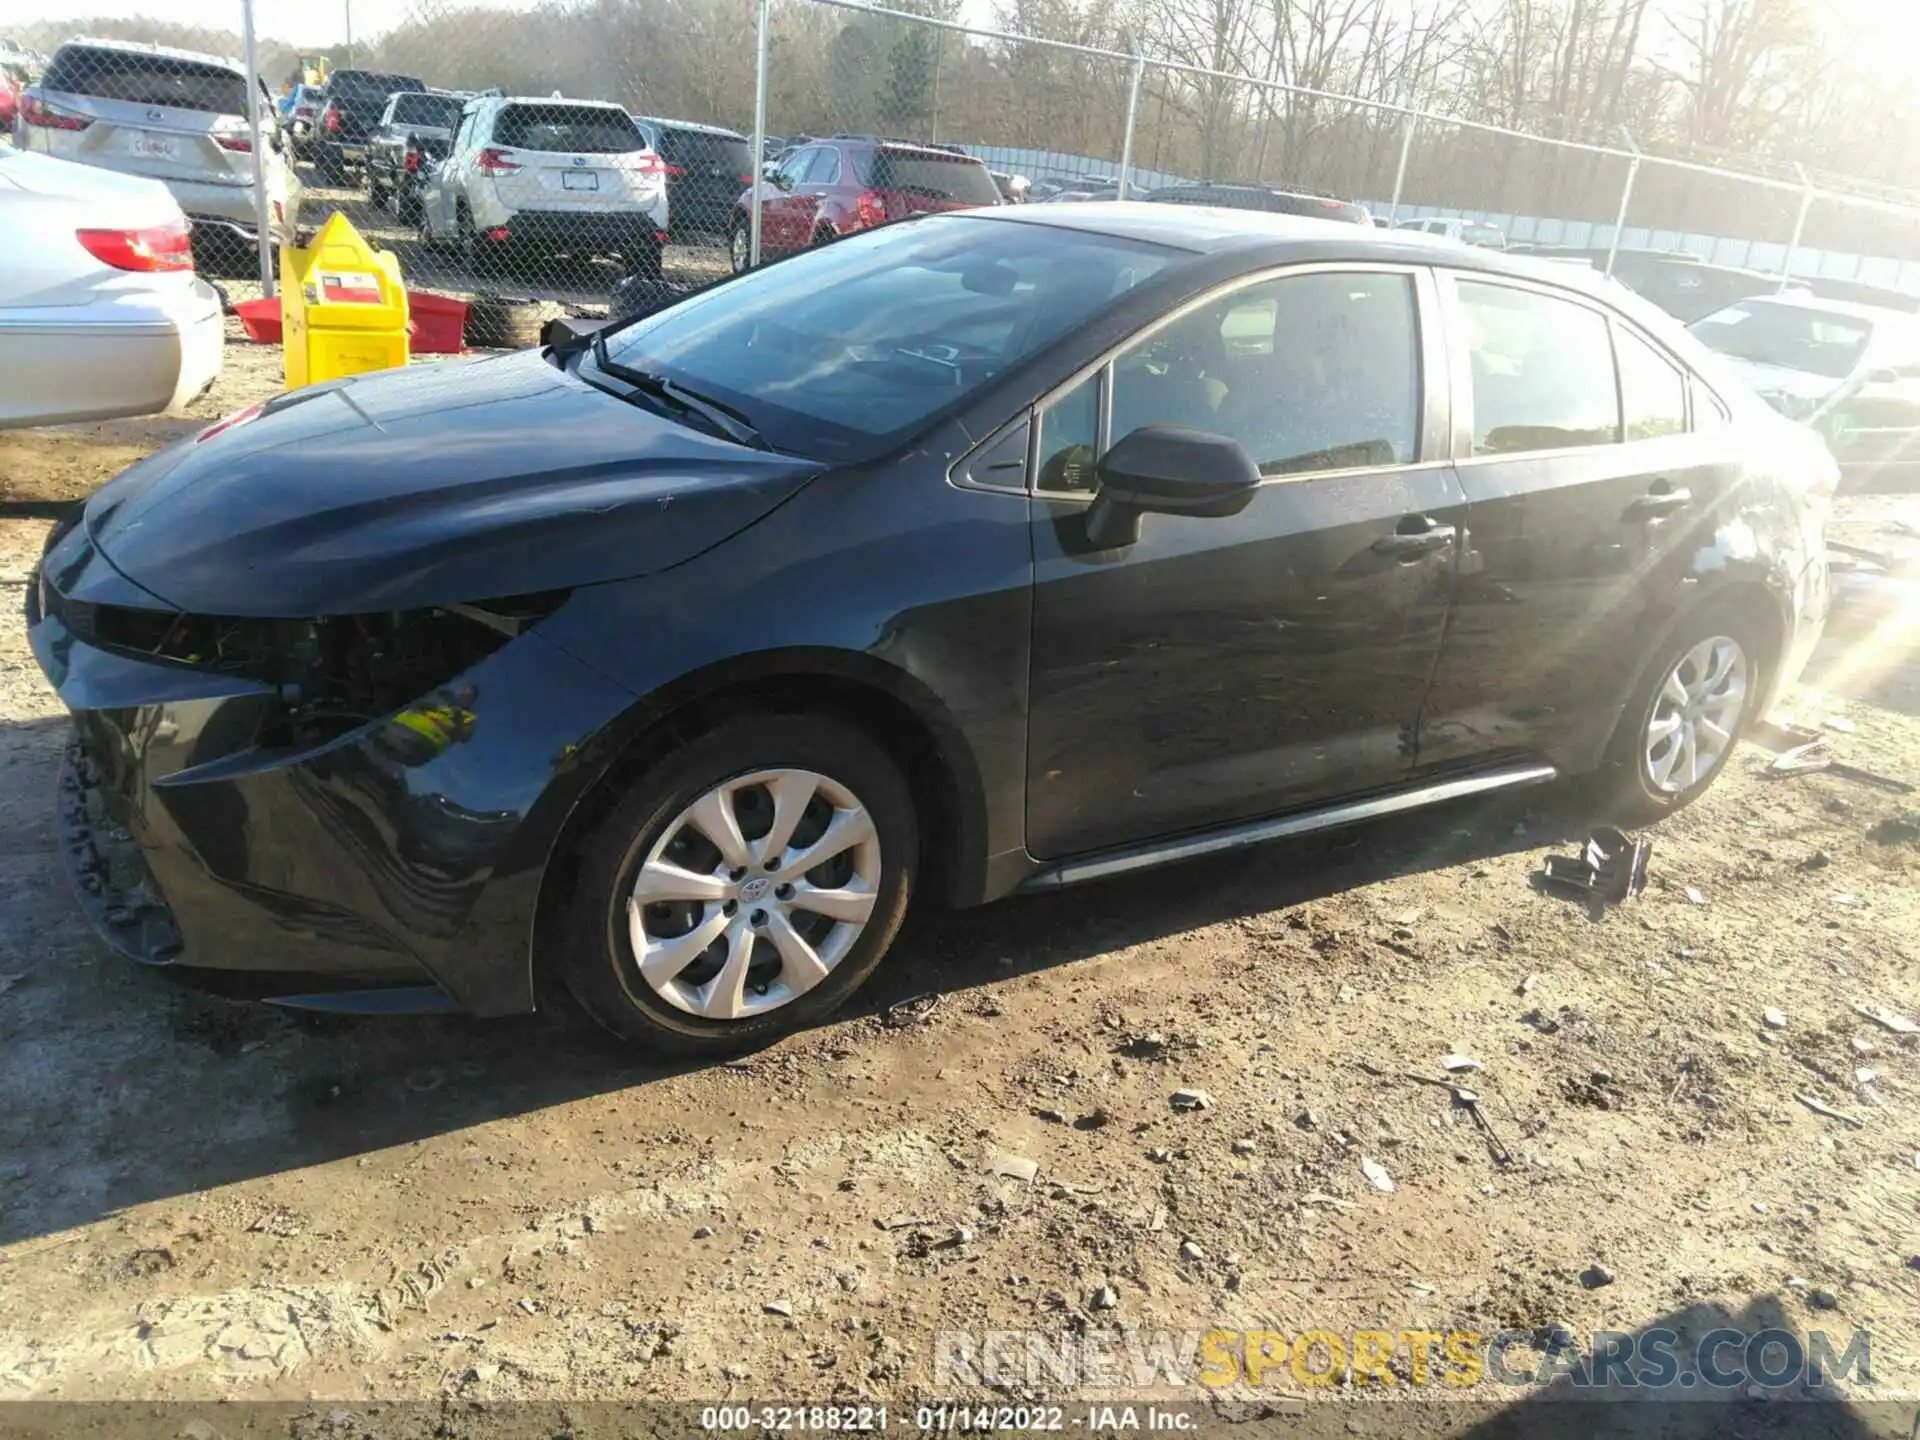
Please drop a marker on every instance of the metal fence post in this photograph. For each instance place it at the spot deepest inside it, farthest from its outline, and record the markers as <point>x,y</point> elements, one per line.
<point>263,237</point>
<point>759,133</point>
<point>1400,171</point>
<point>1799,224</point>
<point>1626,198</point>
<point>1133,109</point>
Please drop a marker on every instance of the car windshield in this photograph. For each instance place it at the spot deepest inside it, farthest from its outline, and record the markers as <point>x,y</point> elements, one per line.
<point>953,178</point>
<point>1482,235</point>
<point>1790,336</point>
<point>147,80</point>
<point>840,352</point>
<point>574,129</point>
<point>442,110</point>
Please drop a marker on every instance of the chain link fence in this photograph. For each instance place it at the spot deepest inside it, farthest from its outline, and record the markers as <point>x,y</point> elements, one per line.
<point>577,152</point>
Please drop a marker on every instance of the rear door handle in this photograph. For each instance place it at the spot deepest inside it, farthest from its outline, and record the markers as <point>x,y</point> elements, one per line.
<point>1655,503</point>
<point>1403,545</point>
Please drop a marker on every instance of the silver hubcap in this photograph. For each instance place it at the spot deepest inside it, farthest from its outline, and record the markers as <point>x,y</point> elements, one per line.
<point>754,893</point>
<point>740,244</point>
<point>1695,714</point>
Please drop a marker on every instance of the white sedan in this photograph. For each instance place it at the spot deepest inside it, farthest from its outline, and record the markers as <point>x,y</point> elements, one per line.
<point>101,314</point>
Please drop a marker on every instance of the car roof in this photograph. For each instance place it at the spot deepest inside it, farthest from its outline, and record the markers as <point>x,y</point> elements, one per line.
<point>694,125</point>
<point>141,47</point>
<point>549,100</point>
<point>1217,230</point>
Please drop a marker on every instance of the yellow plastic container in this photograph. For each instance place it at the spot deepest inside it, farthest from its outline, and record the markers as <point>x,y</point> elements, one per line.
<point>343,309</point>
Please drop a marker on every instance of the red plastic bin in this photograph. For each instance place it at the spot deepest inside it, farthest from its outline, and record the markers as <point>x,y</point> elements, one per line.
<point>436,323</point>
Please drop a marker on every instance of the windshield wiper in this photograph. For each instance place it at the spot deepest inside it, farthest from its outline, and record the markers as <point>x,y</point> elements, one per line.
<point>731,424</point>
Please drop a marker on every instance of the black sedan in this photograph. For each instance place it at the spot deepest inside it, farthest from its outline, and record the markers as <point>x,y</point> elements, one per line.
<point>978,553</point>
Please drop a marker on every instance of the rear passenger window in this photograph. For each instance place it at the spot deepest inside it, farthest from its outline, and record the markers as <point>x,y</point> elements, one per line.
<point>1542,371</point>
<point>825,169</point>
<point>1652,389</point>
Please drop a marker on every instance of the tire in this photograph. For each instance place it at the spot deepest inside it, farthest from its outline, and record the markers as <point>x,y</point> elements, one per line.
<point>481,257</point>
<point>1633,792</point>
<point>376,197</point>
<point>595,948</point>
<point>497,323</point>
<point>739,246</point>
<point>331,170</point>
<point>824,235</point>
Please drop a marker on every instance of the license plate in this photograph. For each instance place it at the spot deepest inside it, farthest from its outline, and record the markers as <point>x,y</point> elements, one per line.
<point>156,147</point>
<point>579,180</point>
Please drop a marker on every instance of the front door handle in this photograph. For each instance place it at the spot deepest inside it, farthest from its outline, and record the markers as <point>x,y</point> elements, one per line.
<point>1659,501</point>
<point>1410,545</point>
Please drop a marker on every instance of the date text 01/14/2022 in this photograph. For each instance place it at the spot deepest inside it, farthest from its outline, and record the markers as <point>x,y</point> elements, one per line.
<point>942,1418</point>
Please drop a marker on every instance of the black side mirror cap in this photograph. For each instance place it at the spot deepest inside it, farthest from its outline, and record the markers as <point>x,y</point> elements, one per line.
<point>1168,470</point>
<point>567,333</point>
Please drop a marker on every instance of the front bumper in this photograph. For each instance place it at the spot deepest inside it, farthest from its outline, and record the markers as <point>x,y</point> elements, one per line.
<point>369,863</point>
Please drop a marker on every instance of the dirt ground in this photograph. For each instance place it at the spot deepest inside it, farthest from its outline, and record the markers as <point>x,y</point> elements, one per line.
<point>208,1201</point>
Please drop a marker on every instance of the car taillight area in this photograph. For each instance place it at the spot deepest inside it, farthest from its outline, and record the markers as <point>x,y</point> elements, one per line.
<point>495,161</point>
<point>331,121</point>
<point>412,162</point>
<point>240,144</point>
<point>167,246</point>
<point>871,207</point>
<point>35,111</point>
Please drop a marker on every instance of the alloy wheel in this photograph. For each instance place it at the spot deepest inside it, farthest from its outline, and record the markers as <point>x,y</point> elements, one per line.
<point>1694,716</point>
<point>739,248</point>
<point>754,893</point>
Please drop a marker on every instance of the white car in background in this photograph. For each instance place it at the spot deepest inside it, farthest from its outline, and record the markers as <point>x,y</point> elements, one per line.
<point>175,115</point>
<point>526,179</point>
<point>1467,232</point>
<point>101,314</point>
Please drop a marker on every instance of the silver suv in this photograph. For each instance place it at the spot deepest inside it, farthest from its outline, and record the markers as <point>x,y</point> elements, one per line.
<point>172,115</point>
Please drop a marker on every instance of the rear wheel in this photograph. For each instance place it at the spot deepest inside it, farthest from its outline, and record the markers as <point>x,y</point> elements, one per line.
<point>824,234</point>
<point>744,887</point>
<point>1690,707</point>
<point>739,246</point>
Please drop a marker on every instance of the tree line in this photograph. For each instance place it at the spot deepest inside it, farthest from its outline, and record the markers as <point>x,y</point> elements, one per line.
<point>1761,85</point>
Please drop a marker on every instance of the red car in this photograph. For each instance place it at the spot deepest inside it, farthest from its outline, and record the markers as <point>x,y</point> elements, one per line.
<point>833,187</point>
<point>12,82</point>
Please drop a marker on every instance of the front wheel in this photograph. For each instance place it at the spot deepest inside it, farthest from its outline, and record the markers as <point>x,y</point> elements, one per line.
<point>744,887</point>
<point>1688,710</point>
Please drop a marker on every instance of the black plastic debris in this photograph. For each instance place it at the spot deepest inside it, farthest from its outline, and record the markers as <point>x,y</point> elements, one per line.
<point>1611,868</point>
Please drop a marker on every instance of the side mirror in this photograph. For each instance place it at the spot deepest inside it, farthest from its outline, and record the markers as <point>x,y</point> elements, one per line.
<point>1167,470</point>
<point>770,171</point>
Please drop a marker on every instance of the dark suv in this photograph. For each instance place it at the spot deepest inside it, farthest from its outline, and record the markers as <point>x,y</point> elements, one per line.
<point>975,554</point>
<point>1261,197</point>
<point>706,166</point>
<point>833,187</point>
<point>415,130</point>
<point>355,101</point>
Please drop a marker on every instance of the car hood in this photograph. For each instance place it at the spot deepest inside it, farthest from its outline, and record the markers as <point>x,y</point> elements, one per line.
<point>428,486</point>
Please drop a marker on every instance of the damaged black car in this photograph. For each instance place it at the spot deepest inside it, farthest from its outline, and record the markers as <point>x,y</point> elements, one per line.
<point>975,554</point>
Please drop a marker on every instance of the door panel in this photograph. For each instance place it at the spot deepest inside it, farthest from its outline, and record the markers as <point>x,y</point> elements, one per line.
<point>1224,668</point>
<point>1576,539</point>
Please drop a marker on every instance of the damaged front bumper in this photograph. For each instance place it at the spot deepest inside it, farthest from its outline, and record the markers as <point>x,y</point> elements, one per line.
<point>394,865</point>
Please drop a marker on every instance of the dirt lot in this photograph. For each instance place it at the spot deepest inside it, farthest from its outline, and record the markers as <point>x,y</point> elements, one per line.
<point>207,1201</point>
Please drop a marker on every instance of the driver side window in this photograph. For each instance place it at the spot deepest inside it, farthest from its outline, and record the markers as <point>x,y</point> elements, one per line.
<point>1309,372</point>
<point>795,170</point>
